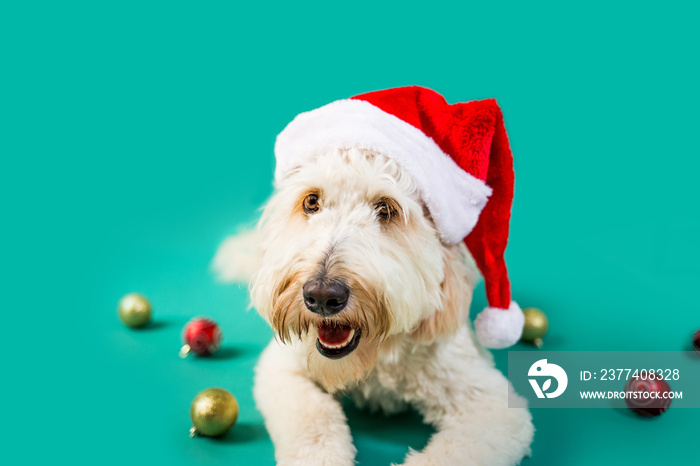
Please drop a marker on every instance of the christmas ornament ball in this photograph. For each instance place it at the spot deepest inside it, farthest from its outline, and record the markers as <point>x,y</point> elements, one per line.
<point>536,326</point>
<point>202,336</point>
<point>214,411</point>
<point>644,401</point>
<point>696,341</point>
<point>134,310</point>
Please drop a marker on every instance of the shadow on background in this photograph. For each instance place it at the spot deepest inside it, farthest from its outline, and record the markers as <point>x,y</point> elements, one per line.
<point>382,439</point>
<point>228,352</point>
<point>157,324</point>
<point>243,432</point>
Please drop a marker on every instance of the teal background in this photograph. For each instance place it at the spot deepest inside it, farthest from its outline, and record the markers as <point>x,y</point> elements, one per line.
<point>134,136</point>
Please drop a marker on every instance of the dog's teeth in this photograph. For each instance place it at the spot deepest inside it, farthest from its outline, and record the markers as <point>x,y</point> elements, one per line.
<point>343,344</point>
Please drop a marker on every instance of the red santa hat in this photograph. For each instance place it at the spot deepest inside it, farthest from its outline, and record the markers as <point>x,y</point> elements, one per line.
<point>460,160</point>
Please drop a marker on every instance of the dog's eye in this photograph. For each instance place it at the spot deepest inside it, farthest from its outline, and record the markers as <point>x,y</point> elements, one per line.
<point>385,209</point>
<point>311,204</point>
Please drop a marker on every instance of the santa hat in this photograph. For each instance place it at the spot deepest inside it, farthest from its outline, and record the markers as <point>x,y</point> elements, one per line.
<point>460,160</point>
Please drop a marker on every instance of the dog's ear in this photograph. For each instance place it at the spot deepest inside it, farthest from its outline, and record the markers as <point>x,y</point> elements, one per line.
<point>457,296</point>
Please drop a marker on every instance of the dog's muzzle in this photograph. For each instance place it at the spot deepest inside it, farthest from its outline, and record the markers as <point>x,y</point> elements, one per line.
<point>327,298</point>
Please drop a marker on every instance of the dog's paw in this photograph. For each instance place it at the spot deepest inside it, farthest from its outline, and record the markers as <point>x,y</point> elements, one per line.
<point>416,458</point>
<point>315,462</point>
<point>320,459</point>
<point>422,459</point>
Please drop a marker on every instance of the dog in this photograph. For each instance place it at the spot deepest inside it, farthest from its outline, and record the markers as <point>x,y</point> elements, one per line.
<point>366,300</point>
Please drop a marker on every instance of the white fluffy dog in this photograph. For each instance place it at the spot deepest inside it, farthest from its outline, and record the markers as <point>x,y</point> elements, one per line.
<point>365,300</point>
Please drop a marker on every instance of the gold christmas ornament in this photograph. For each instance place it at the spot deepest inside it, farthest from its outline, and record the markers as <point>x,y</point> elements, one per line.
<point>536,325</point>
<point>134,310</point>
<point>214,411</point>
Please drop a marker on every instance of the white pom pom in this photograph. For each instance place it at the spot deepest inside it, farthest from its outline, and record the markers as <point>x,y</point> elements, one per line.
<point>500,328</point>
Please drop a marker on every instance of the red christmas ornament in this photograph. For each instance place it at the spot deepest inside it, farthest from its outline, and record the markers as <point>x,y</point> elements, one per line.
<point>202,337</point>
<point>646,398</point>
<point>696,341</point>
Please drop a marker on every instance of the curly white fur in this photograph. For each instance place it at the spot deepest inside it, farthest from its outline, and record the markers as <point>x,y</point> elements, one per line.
<point>409,297</point>
<point>238,257</point>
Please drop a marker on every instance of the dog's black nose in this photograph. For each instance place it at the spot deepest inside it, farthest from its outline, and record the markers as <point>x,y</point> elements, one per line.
<point>325,297</point>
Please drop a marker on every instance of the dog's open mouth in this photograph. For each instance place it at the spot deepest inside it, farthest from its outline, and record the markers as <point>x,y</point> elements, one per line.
<point>335,341</point>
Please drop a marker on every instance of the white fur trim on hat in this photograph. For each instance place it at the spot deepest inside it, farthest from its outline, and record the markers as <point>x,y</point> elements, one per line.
<point>454,197</point>
<point>500,328</point>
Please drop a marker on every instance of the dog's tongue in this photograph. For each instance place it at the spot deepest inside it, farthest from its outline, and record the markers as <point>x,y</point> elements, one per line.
<point>333,334</point>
